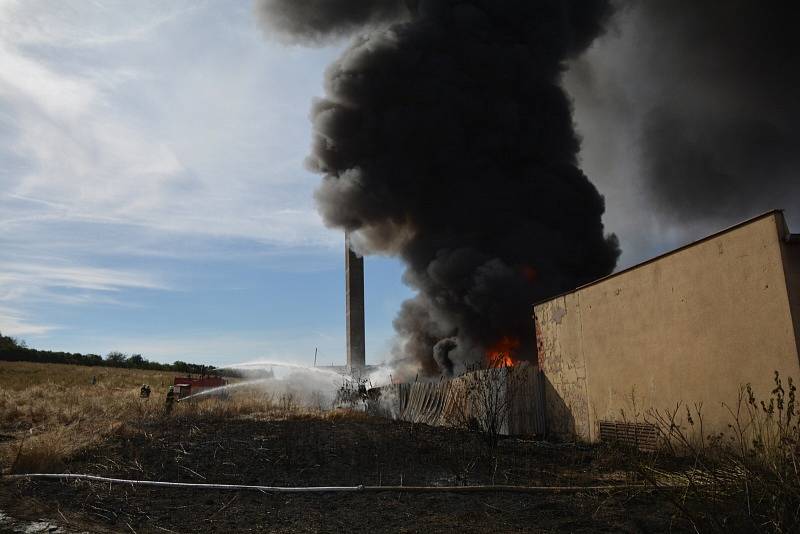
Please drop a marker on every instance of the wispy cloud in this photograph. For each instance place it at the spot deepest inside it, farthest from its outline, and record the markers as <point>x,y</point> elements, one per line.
<point>17,275</point>
<point>144,135</point>
<point>14,324</point>
<point>33,279</point>
<point>127,131</point>
<point>52,283</point>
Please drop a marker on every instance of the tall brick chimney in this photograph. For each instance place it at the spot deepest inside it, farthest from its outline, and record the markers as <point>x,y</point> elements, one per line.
<point>354,275</point>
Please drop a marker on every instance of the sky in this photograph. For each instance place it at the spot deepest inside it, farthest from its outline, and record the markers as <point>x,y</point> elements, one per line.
<point>153,197</point>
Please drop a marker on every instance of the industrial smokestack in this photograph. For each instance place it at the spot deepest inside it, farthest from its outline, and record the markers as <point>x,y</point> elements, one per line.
<point>354,277</point>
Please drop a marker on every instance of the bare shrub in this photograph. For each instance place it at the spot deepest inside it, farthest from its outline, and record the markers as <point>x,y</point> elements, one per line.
<point>483,400</point>
<point>747,478</point>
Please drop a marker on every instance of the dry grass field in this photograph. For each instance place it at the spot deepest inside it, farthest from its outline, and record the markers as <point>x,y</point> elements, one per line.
<point>54,419</point>
<point>50,412</point>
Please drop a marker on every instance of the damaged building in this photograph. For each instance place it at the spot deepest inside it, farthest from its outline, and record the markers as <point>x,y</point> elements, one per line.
<point>692,326</point>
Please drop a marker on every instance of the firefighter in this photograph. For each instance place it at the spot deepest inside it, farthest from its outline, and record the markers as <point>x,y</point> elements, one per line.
<point>170,399</point>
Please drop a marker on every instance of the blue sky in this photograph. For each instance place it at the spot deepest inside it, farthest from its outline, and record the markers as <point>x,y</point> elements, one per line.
<point>153,197</point>
<point>153,194</point>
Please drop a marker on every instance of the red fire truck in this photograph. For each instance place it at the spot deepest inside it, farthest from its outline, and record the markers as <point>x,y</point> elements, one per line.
<point>186,385</point>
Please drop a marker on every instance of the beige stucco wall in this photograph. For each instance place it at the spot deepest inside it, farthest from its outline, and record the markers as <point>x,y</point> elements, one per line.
<point>690,327</point>
<point>791,265</point>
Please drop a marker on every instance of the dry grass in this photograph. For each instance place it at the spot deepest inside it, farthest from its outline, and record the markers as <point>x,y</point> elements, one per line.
<point>49,412</point>
<point>745,480</point>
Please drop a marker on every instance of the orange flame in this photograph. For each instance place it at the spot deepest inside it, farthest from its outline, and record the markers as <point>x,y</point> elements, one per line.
<point>501,354</point>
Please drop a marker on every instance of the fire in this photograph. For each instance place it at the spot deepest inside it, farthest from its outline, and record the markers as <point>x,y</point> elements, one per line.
<point>501,354</point>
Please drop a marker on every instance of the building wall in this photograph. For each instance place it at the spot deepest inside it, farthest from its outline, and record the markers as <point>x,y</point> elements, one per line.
<point>692,327</point>
<point>791,264</point>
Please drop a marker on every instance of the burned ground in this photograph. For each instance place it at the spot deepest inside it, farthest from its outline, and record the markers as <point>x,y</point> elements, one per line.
<point>344,450</point>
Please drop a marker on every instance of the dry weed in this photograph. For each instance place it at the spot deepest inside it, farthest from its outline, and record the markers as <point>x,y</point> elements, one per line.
<point>747,478</point>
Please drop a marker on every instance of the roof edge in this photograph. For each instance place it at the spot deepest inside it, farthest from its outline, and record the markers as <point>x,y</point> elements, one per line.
<point>790,237</point>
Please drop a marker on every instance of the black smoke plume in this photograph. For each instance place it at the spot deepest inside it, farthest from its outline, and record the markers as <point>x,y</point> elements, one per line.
<point>711,91</point>
<point>446,139</point>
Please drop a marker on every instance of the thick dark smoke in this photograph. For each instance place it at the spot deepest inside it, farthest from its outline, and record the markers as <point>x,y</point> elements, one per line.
<point>712,91</point>
<point>446,139</point>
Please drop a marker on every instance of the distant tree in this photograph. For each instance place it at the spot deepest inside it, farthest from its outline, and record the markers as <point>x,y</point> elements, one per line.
<point>14,350</point>
<point>116,359</point>
<point>93,359</point>
<point>136,362</point>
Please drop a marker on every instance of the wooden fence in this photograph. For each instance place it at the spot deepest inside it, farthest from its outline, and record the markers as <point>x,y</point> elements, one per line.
<point>511,398</point>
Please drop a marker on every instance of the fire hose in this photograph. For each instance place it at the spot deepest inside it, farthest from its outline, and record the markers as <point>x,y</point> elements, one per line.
<point>339,489</point>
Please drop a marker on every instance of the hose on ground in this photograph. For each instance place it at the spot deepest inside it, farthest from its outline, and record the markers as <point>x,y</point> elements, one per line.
<point>336,489</point>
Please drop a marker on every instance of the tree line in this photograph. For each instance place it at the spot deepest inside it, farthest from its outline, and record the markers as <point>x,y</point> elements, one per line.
<point>14,350</point>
